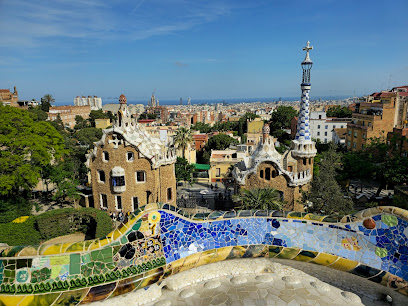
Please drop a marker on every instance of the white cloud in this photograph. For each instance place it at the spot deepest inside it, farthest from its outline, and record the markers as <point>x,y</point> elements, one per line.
<point>35,23</point>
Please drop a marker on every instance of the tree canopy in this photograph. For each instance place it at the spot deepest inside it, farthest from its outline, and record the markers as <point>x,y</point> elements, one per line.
<point>339,112</point>
<point>281,118</point>
<point>26,147</point>
<point>184,170</point>
<point>46,102</point>
<point>325,195</point>
<point>220,142</point>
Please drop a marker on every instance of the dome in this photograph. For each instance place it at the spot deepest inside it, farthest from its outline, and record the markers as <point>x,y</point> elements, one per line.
<point>122,99</point>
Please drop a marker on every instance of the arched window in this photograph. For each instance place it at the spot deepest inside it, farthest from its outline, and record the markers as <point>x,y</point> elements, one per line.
<point>268,174</point>
<point>261,174</point>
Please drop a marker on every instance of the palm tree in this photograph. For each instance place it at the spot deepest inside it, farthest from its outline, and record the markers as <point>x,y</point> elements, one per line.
<point>183,138</point>
<point>46,102</point>
<point>48,98</point>
<point>259,198</point>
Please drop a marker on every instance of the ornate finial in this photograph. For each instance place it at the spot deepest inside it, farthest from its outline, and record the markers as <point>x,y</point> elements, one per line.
<point>307,48</point>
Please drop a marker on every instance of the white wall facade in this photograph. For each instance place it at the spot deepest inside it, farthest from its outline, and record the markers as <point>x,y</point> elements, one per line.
<point>322,127</point>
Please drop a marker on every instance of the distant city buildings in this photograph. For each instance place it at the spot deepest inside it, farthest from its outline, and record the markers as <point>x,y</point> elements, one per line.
<point>93,101</point>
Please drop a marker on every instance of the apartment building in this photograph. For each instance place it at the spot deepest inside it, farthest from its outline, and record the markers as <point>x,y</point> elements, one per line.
<point>378,115</point>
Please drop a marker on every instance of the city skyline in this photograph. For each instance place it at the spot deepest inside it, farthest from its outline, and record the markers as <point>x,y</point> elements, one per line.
<point>205,49</point>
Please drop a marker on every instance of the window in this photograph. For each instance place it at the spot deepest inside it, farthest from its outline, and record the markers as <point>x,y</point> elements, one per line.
<point>348,143</point>
<point>118,181</point>
<point>318,126</point>
<point>354,145</point>
<point>273,174</point>
<point>140,176</point>
<point>341,126</point>
<point>118,200</point>
<point>217,172</point>
<point>325,140</point>
<point>364,135</point>
<point>261,174</point>
<point>355,134</point>
<point>325,133</point>
<point>268,174</point>
<point>104,200</point>
<point>320,116</point>
<point>369,124</point>
<point>135,201</point>
<point>349,132</point>
<point>326,127</point>
<point>304,161</point>
<point>169,194</point>
<point>101,176</point>
<point>290,168</point>
<point>105,156</point>
<point>318,133</point>
<point>130,156</point>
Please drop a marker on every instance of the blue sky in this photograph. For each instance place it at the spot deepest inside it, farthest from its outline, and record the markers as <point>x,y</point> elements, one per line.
<point>202,49</point>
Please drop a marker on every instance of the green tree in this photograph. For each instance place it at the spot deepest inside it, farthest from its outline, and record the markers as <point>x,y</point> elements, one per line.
<point>325,195</point>
<point>46,102</point>
<point>27,147</point>
<point>281,118</point>
<point>37,113</point>
<point>184,170</point>
<point>183,138</point>
<point>202,127</point>
<point>339,112</point>
<point>96,114</point>
<point>220,142</point>
<point>87,136</point>
<point>259,198</point>
<point>80,123</point>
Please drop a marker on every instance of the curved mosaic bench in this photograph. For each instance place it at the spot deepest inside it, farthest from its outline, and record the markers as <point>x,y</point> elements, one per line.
<point>158,240</point>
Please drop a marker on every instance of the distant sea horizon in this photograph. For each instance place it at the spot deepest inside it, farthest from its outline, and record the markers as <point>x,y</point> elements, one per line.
<point>211,101</point>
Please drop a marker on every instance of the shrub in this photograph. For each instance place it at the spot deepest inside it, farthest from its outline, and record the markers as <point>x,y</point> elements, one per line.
<point>92,222</point>
<point>23,233</point>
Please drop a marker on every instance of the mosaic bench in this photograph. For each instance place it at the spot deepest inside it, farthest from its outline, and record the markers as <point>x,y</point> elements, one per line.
<point>159,240</point>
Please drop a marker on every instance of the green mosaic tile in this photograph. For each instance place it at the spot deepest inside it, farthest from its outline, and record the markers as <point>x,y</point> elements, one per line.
<point>86,258</point>
<point>123,240</point>
<point>74,266</point>
<point>75,258</point>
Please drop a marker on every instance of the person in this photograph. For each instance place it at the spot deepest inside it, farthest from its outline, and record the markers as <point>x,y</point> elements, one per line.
<point>212,187</point>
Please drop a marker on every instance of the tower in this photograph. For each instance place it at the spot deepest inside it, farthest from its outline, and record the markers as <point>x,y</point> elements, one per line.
<point>303,146</point>
<point>181,101</point>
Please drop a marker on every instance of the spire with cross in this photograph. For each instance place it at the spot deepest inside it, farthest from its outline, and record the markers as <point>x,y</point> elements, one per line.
<point>307,64</point>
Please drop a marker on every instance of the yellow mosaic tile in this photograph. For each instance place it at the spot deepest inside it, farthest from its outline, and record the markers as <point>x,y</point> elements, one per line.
<point>343,264</point>
<point>103,242</point>
<point>94,245</point>
<point>10,300</point>
<point>76,247</point>
<point>52,250</point>
<point>325,259</point>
